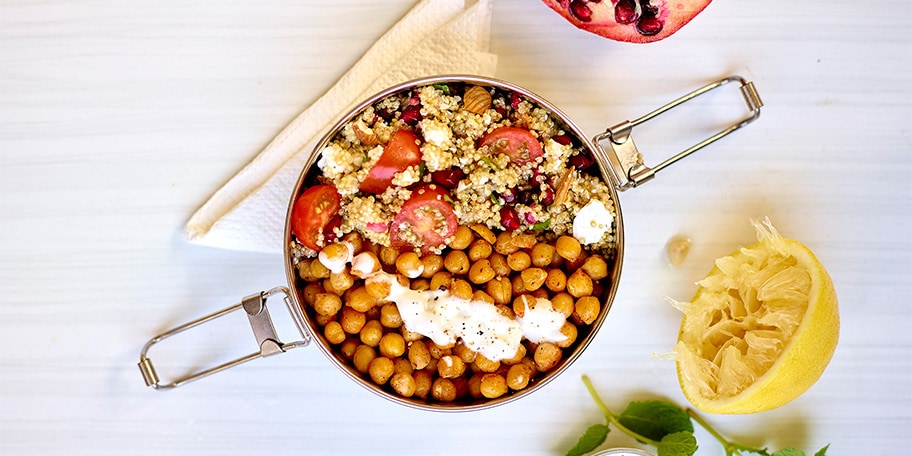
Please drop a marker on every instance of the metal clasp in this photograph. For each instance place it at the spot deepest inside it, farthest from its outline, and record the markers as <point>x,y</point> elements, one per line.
<point>263,329</point>
<point>625,165</point>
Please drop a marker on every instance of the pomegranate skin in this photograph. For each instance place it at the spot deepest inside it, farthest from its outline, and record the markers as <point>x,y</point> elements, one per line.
<point>632,21</point>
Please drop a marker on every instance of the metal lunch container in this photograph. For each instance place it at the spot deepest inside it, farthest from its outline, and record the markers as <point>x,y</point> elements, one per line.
<point>621,168</point>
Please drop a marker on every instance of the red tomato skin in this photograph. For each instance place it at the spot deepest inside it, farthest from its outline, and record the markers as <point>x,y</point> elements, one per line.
<point>517,143</point>
<point>402,150</point>
<point>312,212</point>
<point>429,196</point>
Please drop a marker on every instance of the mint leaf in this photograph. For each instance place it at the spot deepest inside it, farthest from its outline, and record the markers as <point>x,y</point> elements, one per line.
<point>594,436</point>
<point>678,444</point>
<point>788,452</point>
<point>655,419</point>
<point>822,451</point>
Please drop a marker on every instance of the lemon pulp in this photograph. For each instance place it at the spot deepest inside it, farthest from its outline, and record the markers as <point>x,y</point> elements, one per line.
<point>760,330</point>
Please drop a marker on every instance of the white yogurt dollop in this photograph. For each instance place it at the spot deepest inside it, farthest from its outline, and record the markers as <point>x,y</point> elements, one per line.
<point>592,222</point>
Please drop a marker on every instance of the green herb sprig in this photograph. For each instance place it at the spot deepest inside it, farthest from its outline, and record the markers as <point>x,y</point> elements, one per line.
<point>665,426</point>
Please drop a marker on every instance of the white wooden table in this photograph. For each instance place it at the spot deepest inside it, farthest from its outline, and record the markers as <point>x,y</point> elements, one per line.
<point>118,119</point>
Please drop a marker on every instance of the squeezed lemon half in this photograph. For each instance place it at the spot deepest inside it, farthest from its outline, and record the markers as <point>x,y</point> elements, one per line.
<point>761,328</point>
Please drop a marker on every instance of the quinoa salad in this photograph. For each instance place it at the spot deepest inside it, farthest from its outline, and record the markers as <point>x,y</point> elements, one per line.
<point>453,242</point>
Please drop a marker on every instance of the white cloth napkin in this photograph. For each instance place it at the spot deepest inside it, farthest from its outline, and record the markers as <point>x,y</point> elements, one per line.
<point>435,37</point>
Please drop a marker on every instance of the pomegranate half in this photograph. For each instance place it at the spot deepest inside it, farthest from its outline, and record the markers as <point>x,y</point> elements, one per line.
<point>633,21</point>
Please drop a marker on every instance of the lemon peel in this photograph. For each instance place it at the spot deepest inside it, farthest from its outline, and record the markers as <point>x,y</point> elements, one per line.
<point>761,328</point>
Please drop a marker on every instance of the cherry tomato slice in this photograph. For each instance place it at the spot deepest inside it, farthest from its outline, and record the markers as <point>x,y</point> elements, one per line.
<point>517,143</point>
<point>312,214</point>
<point>399,153</point>
<point>425,222</point>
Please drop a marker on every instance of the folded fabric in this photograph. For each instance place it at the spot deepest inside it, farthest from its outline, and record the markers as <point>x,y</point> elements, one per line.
<point>435,37</point>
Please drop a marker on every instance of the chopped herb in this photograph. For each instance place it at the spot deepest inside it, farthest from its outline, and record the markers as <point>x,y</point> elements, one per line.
<point>543,225</point>
<point>445,88</point>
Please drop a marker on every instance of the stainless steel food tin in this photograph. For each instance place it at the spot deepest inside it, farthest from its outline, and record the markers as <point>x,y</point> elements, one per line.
<point>621,167</point>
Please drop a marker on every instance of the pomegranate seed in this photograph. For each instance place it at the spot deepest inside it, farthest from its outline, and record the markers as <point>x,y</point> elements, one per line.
<point>547,196</point>
<point>386,114</point>
<point>411,115</point>
<point>580,11</point>
<point>530,218</point>
<point>625,12</point>
<point>329,231</point>
<point>510,196</point>
<point>447,178</point>
<point>563,140</point>
<point>514,101</point>
<point>649,24</point>
<point>580,161</point>
<point>509,218</point>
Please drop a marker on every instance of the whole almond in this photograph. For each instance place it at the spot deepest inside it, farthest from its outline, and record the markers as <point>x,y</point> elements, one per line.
<point>477,100</point>
<point>365,134</point>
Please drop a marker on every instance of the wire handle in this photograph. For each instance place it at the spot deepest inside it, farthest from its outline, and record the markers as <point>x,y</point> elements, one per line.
<point>624,162</point>
<point>263,329</point>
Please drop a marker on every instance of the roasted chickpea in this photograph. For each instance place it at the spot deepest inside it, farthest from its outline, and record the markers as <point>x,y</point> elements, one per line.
<point>484,232</point>
<point>504,244</point>
<point>318,270</point>
<point>462,238</point>
<point>404,384</point>
<point>556,280</point>
<point>479,295</point>
<point>380,370</point>
<point>334,333</point>
<point>563,303</point>
<point>500,289</point>
<point>349,347</point>
<point>327,304</point>
<point>441,281</point>
<point>432,264</point>
<point>483,364</point>
<point>389,316</point>
<point>423,382</point>
<point>568,247</point>
<point>420,285</point>
<point>377,288</point>
<point>570,332</point>
<point>474,386</point>
<point>518,376</point>
<point>546,356</point>
<point>352,321</point>
<point>443,390</point>
<point>409,264</point>
<point>464,353</point>
<point>457,262</point>
<point>493,386</point>
<point>499,264</point>
<point>438,351</point>
<point>517,358</point>
<point>479,249</point>
<point>579,284</point>
<point>371,333</point>
<point>419,355</point>
<point>596,267</point>
<point>461,289</point>
<point>587,309</point>
<point>388,255</point>
<point>402,365</point>
<point>542,254</point>
<point>363,357</point>
<point>481,271</point>
<point>533,278</point>
<point>323,320</point>
<point>355,240</point>
<point>392,345</point>
<point>310,292</point>
<point>360,299</point>
<point>450,366</point>
<point>519,260</point>
<point>521,303</point>
<point>341,281</point>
